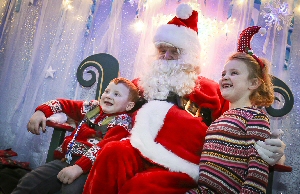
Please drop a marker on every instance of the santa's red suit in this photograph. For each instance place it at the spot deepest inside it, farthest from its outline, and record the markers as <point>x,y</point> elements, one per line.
<point>163,151</point>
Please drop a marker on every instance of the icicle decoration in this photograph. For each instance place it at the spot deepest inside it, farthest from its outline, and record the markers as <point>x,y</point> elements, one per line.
<point>288,48</point>
<point>18,5</point>
<point>90,18</point>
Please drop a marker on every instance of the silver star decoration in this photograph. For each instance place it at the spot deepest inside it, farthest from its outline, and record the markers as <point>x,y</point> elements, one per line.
<point>50,72</point>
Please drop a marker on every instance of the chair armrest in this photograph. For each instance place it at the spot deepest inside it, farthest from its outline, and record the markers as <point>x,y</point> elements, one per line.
<point>277,168</point>
<point>60,126</point>
<point>58,136</point>
<point>281,168</point>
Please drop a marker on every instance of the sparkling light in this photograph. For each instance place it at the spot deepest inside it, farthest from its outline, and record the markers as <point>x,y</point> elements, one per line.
<point>3,6</point>
<point>297,10</point>
<point>160,19</point>
<point>240,2</point>
<point>69,7</point>
<point>209,30</point>
<point>211,27</point>
<point>149,3</point>
<point>131,2</point>
<point>79,18</point>
<point>195,5</point>
<point>139,26</point>
<point>67,4</point>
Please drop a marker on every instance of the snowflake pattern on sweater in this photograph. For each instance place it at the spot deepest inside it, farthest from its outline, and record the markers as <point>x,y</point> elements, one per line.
<point>54,105</point>
<point>92,153</point>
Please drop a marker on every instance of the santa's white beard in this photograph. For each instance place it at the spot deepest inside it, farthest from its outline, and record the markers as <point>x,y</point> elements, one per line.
<point>166,76</point>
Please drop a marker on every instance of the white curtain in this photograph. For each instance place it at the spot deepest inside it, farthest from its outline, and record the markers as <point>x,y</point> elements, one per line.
<point>38,34</point>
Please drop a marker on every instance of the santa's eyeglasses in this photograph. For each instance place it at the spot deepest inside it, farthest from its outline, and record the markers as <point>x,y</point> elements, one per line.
<point>168,52</point>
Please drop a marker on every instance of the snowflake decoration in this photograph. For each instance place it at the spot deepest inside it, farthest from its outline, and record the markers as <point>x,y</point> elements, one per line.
<point>277,12</point>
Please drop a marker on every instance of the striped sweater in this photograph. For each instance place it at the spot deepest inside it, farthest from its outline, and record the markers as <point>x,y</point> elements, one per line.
<point>229,162</point>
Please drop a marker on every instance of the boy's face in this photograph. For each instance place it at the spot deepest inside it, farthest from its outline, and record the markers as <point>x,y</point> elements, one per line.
<point>115,99</point>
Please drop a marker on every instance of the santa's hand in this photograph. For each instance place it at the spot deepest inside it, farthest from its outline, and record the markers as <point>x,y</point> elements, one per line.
<point>271,150</point>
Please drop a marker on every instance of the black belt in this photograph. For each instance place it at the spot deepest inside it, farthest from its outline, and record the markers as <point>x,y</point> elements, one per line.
<point>191,107</point>
<point>102,128</point>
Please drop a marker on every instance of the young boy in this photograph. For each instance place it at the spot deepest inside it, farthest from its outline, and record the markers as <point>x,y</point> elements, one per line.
<point>110,123</point>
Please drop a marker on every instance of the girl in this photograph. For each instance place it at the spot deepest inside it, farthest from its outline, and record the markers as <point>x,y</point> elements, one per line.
<point>229,162</point>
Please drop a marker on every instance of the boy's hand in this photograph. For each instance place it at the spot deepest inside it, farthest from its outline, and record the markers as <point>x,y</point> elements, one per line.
<point>37,121</point>
<point>69,174</point>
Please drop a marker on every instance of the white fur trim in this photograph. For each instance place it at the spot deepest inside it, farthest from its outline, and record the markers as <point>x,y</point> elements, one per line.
<point>184,11</point>
<point>149,121</point>
<point>180,36</point>
<point>58,118</point>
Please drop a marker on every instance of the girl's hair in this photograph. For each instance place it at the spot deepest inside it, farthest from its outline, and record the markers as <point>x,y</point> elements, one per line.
<point>264,94</point>
<point>133,90</point>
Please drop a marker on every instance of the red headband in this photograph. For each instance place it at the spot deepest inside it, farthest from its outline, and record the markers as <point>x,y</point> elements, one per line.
<point>245,39</point>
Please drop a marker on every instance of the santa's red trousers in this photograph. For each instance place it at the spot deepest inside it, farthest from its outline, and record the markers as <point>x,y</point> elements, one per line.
<point>120,169</point>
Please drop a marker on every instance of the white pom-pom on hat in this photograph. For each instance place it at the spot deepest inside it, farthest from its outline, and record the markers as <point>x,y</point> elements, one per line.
<point>262,31</point>
<point>184,11</point>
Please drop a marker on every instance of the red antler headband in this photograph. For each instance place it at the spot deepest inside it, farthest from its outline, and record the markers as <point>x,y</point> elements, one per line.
<point>245,39</point>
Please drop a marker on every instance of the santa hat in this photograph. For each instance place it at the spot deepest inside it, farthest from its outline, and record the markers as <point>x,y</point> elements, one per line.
<point>181,31</point>
<point>245,40</point>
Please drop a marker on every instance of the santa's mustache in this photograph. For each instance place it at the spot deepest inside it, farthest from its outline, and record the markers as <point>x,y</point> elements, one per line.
<point>171,66</point>
<point>166,76</point>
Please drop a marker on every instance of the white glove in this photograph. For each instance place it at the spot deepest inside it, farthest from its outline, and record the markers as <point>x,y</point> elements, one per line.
<point>271,150</point>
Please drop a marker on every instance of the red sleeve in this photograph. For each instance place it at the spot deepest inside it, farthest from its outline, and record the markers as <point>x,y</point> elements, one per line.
<point>207,94</point>
<point>72,108</point>
<point>86,161</point>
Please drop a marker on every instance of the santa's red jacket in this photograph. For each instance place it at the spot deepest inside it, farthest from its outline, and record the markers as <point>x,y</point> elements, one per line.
<point>172,137</point>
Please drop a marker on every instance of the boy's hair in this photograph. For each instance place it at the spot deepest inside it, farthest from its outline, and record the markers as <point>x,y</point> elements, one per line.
<point>264,94</point>
<point>133,90</point>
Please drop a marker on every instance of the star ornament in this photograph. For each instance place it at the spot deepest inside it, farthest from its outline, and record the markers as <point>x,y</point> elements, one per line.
<point>50,72</point>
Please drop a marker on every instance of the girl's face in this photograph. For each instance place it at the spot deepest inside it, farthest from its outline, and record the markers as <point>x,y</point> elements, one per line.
<point>234,84</point>
<point>115,99</point>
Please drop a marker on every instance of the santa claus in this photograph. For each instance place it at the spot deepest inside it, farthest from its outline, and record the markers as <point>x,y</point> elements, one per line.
<point>163,152</point>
